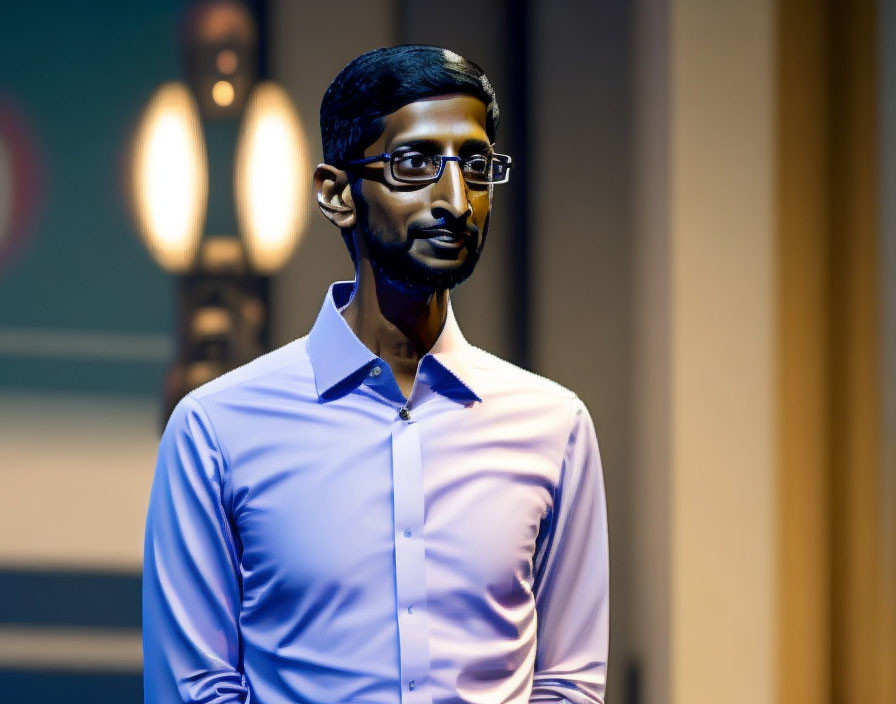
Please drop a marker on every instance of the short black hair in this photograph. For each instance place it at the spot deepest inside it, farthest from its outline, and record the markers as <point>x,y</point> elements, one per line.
<point>354,107</point>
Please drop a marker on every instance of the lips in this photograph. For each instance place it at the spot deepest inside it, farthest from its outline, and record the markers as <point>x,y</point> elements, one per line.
<point>445,237</point>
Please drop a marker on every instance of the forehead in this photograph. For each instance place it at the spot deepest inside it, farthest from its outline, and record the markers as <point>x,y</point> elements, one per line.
<point>455,118</point>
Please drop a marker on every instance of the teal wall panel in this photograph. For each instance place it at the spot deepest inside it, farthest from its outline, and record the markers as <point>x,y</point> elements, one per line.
<point>78,75</point>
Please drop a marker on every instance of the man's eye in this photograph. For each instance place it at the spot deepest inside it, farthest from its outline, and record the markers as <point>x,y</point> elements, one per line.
<point>478,164</point>
<point>412,161</point>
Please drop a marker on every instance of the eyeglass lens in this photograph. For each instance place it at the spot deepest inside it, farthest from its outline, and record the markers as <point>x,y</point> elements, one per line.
<point>417,167</point>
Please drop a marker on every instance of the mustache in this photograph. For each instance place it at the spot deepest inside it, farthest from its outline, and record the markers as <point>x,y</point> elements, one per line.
<point>456,226</point>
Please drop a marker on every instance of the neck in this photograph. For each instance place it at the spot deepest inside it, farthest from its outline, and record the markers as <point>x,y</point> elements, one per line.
<point>396,326</point>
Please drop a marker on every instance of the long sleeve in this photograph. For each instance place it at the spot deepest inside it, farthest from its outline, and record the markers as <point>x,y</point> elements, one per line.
<point>191,589</point>
<point>572,579</point>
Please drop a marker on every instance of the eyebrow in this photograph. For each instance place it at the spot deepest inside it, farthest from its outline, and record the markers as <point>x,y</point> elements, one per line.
<point>433,145</point>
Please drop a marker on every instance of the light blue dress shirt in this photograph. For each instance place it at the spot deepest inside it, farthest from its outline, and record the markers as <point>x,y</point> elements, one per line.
<point>314,537</point>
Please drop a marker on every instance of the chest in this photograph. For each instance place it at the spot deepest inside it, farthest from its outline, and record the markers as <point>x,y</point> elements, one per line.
<point>324,503</point>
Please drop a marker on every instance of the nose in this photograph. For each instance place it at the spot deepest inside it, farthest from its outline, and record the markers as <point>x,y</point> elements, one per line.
<point>450,192</point>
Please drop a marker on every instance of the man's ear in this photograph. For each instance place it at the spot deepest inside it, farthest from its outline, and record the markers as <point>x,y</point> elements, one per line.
<point>334,195</point>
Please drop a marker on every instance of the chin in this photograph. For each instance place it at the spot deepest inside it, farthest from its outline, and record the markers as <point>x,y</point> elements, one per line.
<point>411,274</point>
<point>416,277</point>
<point>407,271</point>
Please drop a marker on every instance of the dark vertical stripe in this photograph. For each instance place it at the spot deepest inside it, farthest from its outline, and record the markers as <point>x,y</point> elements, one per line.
<point>517,14</point>
<point>802,167</point>
<point>402,29</point>
<point>856,654</point>
<point>261,10</point>
<point>261,13</point>
<point>633,677</point>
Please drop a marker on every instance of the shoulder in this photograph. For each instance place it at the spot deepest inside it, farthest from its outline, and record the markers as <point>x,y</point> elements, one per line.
<point>289,363</point>
<point>498,377</point>
<point>528,405</point>
<point>515,387</point>
<point>234,407</point>
<point>247,394</point>
<point>531,399</point>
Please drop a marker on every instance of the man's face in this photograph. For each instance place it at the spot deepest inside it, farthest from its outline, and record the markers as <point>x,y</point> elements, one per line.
<point>427,237</point>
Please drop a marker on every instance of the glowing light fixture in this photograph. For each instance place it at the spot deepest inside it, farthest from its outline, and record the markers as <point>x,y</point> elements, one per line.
<point>222,93</point>
<point>170,177</point>
<point>271,178</point>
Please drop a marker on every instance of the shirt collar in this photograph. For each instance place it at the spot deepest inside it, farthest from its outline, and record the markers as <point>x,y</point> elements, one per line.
<point>341,361</point>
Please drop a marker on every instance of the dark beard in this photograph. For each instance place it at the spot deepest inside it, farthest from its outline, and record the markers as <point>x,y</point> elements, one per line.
<point>391,261</point>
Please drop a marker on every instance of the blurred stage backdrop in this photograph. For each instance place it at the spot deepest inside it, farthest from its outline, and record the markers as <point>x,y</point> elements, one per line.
<point>699,238</point>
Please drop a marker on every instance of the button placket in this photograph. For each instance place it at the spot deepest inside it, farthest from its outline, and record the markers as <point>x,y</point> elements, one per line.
<point>410,576</point>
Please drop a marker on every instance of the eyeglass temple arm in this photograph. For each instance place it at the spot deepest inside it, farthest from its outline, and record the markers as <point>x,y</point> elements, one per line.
<point>385,156</point>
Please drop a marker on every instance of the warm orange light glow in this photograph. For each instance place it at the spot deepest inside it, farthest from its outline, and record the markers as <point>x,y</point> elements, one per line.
<point>222,93</point>
<point>227,61</point>
<point>170,177</point>
<point>271,180</point>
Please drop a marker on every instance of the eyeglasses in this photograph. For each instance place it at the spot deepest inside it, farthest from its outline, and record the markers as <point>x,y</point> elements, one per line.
<point>417,168</point>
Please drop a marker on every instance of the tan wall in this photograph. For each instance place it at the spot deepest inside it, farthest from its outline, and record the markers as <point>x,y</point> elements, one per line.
<point>76,472</point>
<point>722,361</point>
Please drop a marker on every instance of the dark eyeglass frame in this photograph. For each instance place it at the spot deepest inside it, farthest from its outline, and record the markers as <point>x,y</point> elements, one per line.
<point>390,158</point>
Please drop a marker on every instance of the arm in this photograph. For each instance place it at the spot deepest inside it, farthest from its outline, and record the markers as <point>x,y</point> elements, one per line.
<point>572,579</point>
<point>191,591</point>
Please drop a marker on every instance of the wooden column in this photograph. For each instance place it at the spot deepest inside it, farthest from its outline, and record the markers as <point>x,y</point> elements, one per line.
<point>855,365</point>
<point>833,624</point>
<point>803,334</point>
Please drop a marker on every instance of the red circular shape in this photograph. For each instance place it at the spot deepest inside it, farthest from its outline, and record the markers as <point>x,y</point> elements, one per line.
<point>26,178</point>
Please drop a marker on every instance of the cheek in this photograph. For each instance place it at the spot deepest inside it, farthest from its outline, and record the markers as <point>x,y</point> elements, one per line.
<point>481,203</point>
<point>392,208</point>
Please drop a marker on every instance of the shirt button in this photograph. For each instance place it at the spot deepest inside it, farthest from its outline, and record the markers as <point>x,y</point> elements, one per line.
<point>407,532</point>
<point>405,414</point>
<point>376,371</point>
<point>412,685</point>
<point>410,609</point>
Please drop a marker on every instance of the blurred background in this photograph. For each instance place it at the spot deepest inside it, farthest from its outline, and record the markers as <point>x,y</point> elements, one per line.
<point>699,238</point>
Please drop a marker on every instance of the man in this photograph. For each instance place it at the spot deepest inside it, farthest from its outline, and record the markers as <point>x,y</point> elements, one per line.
<point>379,512</point>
